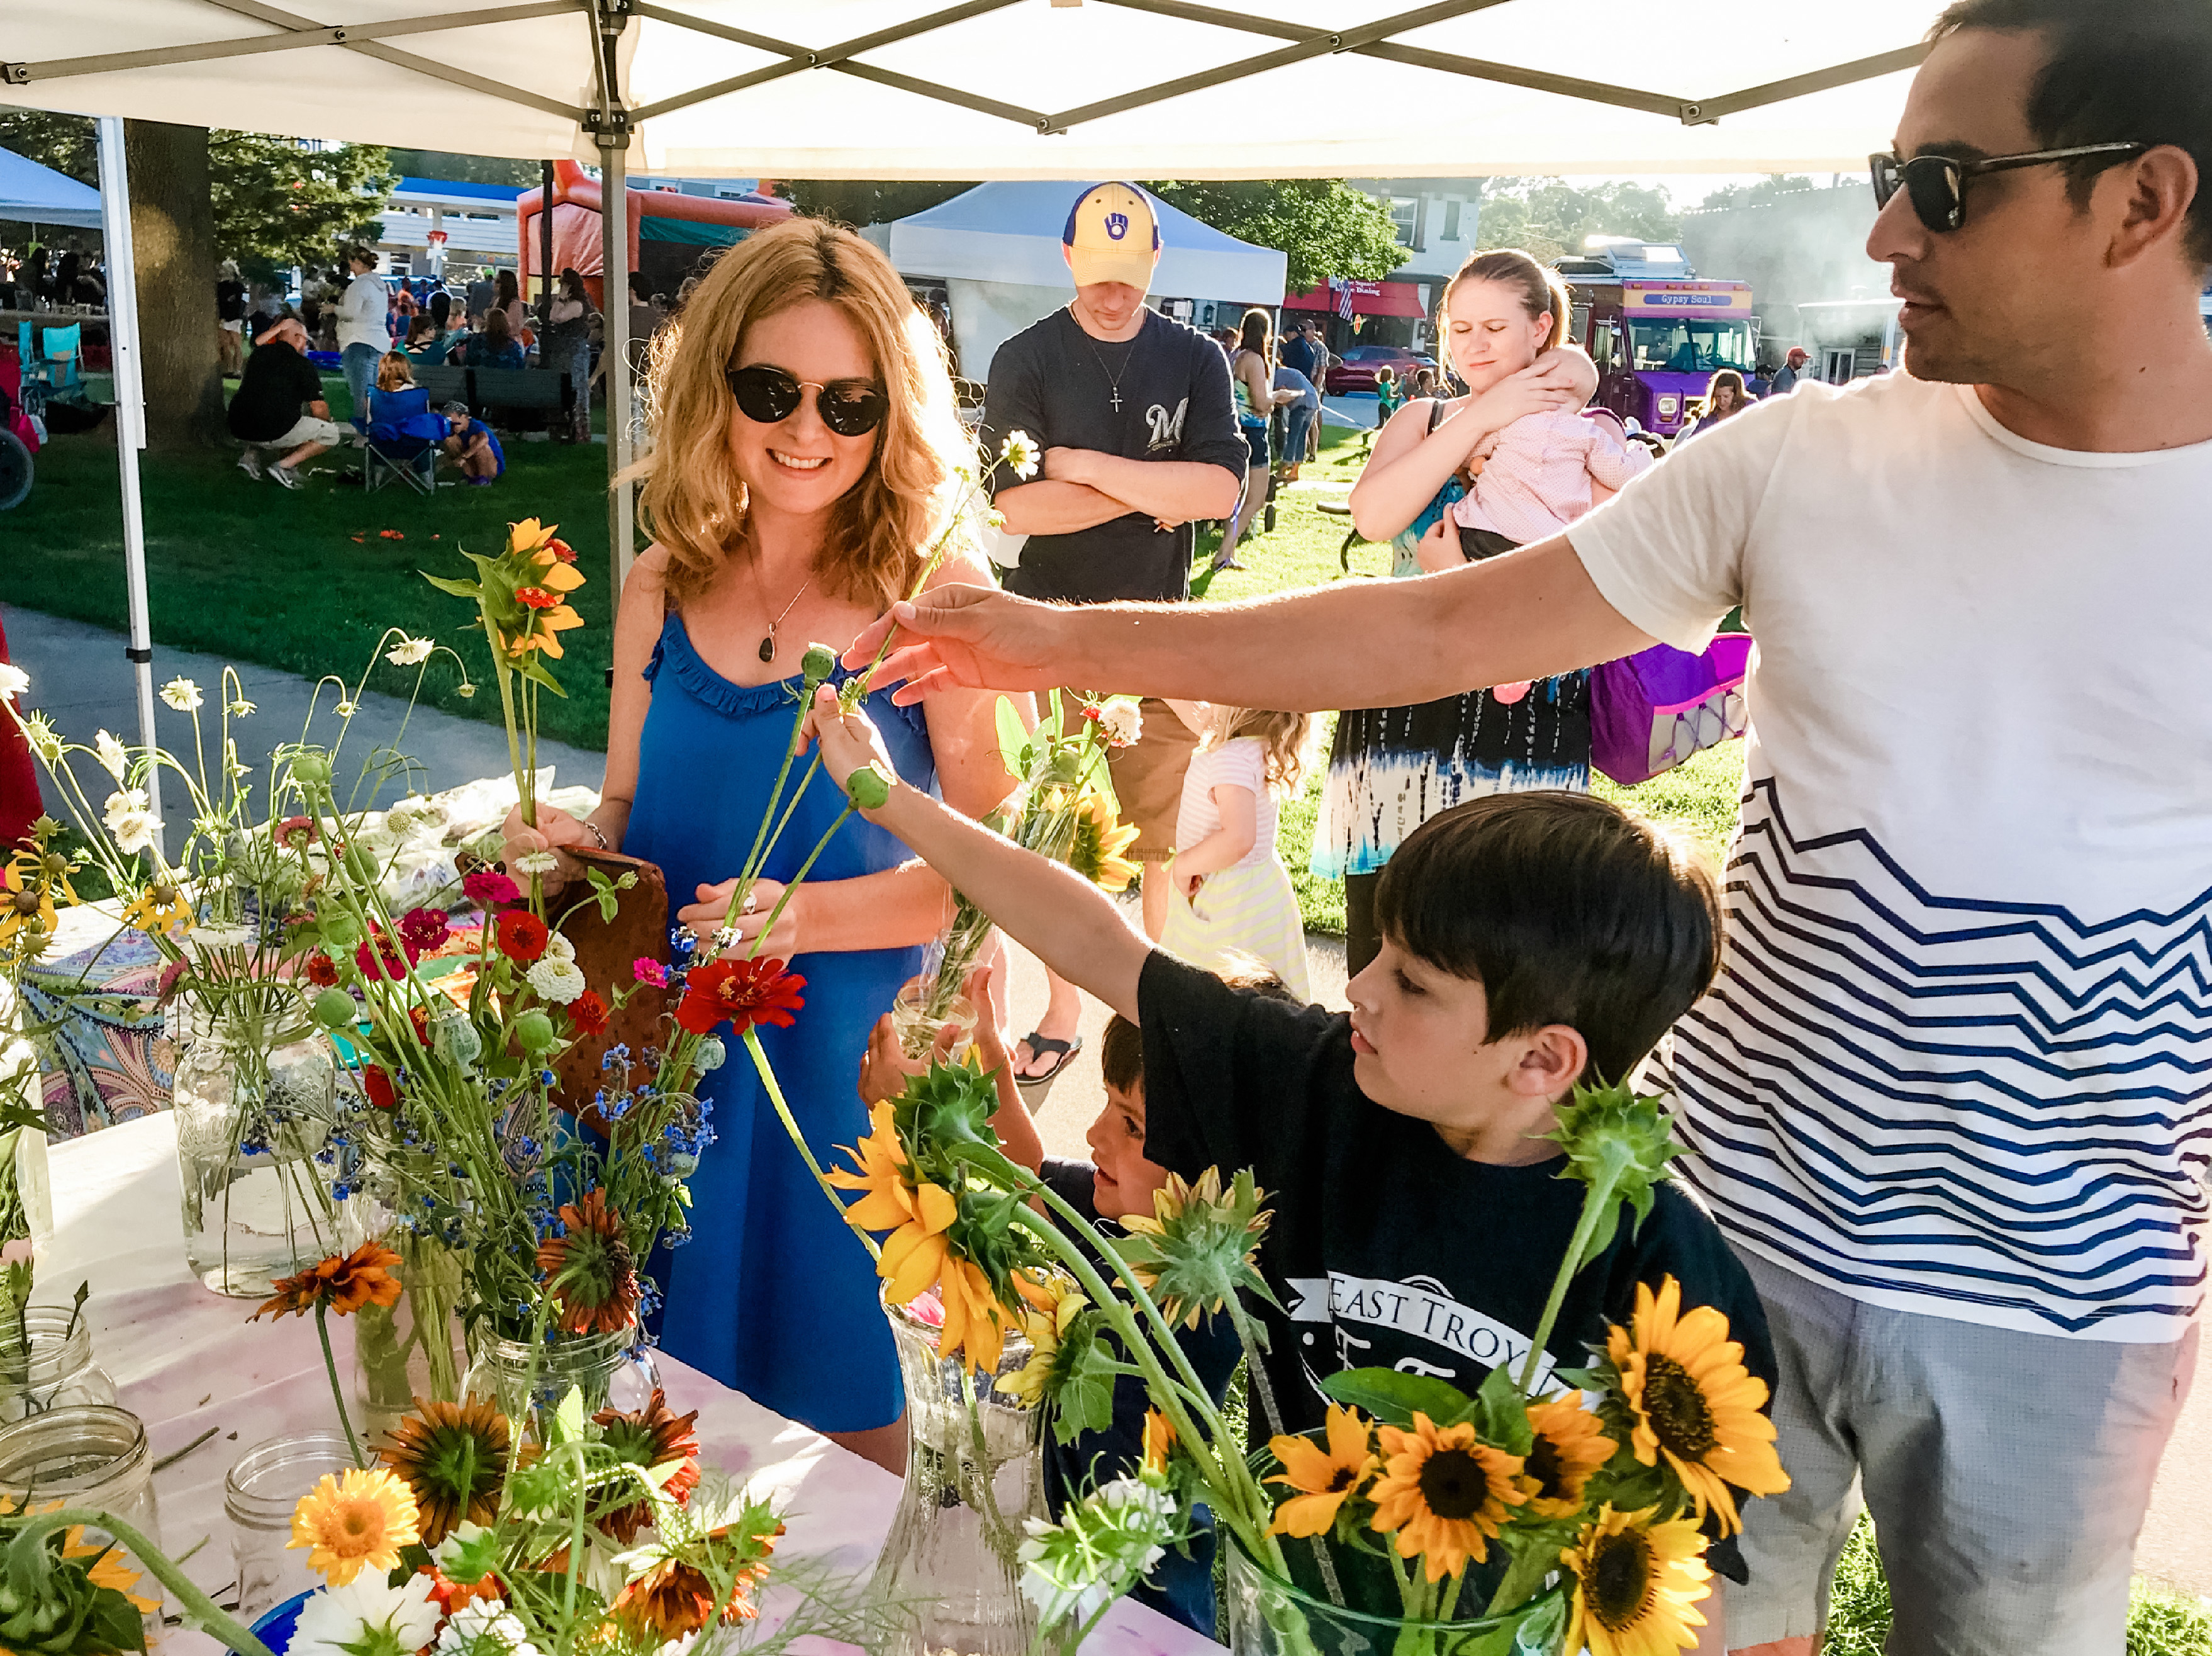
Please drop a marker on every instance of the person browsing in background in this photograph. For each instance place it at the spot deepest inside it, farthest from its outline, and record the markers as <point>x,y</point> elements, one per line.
<point>1532,942</point>
<point>279,404</point>
<point>362,338</point>
<point>1252,383</point>
<point>1786,376</point>
<point>1726,395</point>
<point>230,317</point>
<point>497,346</point>
<point>1232,898</point>
<point>472,445</point>
<point>1139,433</point>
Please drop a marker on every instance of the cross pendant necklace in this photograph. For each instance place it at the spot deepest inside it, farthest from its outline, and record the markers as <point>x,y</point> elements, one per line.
<point>1113,380</point>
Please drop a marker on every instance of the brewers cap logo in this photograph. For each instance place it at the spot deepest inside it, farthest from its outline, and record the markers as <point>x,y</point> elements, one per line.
<point>1117,225</point>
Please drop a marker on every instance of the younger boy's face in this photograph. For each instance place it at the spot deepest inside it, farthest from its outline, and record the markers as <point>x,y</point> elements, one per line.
<point>1124,1181</point>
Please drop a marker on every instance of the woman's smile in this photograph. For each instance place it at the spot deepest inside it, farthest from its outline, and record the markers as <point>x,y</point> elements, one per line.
<point>798,462</point>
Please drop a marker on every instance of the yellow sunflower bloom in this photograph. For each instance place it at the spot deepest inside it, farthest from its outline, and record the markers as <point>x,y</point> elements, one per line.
<point>1570,1445</point>
<point>555,576</point>
<point>160,909</point>
<point>1636,1585</point>
<point>1443,1494</point>
<point>1159,1440</point>
<point>888,1202</point>
<point>1322,1478</point>
<point>360,1523</point>
<point>546,626</point>
<point>528,535</point>
<point>975,1322</point>
<point>1100,839</point>
<point>1694,1403</point>
<point>1045,1327</point>
<point>108,1568</point>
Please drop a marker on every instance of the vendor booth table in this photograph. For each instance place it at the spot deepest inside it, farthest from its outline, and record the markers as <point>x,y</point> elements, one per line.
<point>184,1360</point>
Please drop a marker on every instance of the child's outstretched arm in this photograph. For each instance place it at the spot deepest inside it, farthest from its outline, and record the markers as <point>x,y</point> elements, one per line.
<point>1062,918</point>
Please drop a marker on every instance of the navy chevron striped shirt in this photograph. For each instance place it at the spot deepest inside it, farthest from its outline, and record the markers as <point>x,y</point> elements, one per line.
<point>1958,1060</point>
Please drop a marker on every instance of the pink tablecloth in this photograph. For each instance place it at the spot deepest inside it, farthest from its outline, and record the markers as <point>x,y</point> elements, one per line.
<point>185,1360</point>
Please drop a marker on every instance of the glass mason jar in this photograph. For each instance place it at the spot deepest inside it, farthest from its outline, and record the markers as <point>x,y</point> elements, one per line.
<point>947,1578</point>
<point>46,1362</point>
<point>411,1349</point>
<point>260,1494</point>
<point>613,1371</point>
<point>250,1122</point>
<point>1269,1617</point>
<point>89,1455</point>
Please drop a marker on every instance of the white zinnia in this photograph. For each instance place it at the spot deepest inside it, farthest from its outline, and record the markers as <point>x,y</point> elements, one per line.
<point>208,939</point>
<point>182,694</point>
<point>555,979</point>
<point>537,863</point>
<point>14,681</point>
<point>128,821</point>
<point>366,1618</point>
<point>484,1627</point>
<point>1121,721</point>
<point>558,947</point>
<point>408,652</point>
<point>109,752</point>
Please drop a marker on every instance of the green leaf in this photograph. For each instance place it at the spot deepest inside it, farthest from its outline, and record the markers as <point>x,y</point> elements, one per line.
<point>1394,1397</point>
<point>1086,1403</point>
<point>569,1419</point>
<point>467,589</point>
<point>1501,1413</point>
<point>1013,740</point>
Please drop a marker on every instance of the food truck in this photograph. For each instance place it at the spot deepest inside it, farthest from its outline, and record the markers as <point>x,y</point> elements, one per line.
<point>1656,331</point>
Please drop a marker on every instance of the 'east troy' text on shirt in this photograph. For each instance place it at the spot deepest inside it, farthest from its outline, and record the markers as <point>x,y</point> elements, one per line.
<point>1467,1344</point>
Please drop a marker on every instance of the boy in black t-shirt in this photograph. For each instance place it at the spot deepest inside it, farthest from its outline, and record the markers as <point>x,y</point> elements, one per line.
<point>1529,941</point>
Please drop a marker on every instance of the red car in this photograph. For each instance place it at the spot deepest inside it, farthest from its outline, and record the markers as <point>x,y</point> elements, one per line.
<point>1356,373</point>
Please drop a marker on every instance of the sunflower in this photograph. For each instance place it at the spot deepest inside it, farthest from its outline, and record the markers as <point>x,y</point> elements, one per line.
<point>975,1322</point>
<point>1045,1326</point>
<point>1321,1477</point>
<point>1570,1445</point>
<point>362,1522</point>
<point>1636,1582</point>
<point>343,1283</point>
<point>452,1457</point>
<point>544,634</point>
<point>1444,1492</point>
<point>160,907</point>
<point>26,901</point>
<point>1692,1400</point>
<point>1159,1440</point>
<point>1200,1245</point>
<point>590,1269</point>
<point>1100,839</point>
<point>106,1568</point>
<point>652,1436</point>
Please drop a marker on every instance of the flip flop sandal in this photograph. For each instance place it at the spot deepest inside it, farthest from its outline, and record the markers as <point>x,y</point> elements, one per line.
<point>1061,1052</point>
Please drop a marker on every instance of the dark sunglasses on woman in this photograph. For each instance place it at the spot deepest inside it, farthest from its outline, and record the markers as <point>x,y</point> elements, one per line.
<point>851,408</point>
<point>1937,184</point>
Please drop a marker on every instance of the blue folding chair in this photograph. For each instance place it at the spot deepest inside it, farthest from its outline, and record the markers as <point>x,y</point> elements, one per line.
<point>64,346</point>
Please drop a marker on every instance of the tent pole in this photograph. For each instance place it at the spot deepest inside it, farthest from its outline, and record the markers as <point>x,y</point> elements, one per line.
<point>544,244</point>
<point>129,427</point>
<point>614,239</point>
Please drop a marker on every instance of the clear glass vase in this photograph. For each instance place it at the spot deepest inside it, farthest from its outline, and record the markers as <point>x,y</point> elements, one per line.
<point>250,1122</point>
<point>92,1456</point>
<point>1270,1616</point>
<point>613,1371</point>
<point>46,1362</point>
<point>412,1349</point>
<point>259,1495</point>
<point>947,1578</point>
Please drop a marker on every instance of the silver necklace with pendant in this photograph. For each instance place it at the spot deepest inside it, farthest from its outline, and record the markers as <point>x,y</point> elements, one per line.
<point>768,640</point>
<point>1113,380</point>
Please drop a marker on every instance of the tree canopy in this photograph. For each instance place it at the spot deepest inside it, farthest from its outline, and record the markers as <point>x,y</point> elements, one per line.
<point>1323,227</point>
<point>864,201</point>
<point>1772,187</point>
<point>1548,217</point>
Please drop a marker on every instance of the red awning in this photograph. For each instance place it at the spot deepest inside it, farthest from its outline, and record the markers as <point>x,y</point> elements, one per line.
<point>1368,299</point>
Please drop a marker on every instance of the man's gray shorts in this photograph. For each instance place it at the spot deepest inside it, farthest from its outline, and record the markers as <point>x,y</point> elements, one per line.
<point>2008,1475</point>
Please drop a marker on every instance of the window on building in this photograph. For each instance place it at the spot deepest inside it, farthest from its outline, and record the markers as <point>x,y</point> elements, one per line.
<point>1451,220</point>
<point>1406,215</point>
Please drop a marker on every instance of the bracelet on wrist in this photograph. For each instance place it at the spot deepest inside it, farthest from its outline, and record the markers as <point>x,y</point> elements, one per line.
<point>593,829</point>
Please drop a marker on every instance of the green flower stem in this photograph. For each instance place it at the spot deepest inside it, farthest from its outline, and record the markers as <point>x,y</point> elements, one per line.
<point>1264,1390</point>
<point>792,885</point>
<point>337,1392</point>
<point>789,812</point>
<point>1523,1577</point>
<point>1003,1537</point>
<point>200,1610</point>
<point>791,1126</point>
<point>525,781</point>
<point>749,870</point>
<point>1595,1203</point>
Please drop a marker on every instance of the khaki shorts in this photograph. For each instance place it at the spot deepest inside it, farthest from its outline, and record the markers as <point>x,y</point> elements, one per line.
<point>306,429</point>
<point>1148,777</point>
<point>2008,1475</point>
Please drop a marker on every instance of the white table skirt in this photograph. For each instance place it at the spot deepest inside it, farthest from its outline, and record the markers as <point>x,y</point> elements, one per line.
<point>184,1359</point>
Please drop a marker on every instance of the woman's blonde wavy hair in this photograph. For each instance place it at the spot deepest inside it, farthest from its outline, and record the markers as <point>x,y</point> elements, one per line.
<point>694,501</point>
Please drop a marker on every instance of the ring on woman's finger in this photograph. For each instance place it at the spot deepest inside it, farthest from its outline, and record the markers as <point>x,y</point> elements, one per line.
<point>753,902</point>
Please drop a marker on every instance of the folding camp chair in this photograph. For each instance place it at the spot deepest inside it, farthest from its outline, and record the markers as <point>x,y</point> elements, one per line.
<point>64,346</point>
<point>411,460</point>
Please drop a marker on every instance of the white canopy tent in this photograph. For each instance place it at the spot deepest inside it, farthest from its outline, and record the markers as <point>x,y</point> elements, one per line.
<point>989,90</point>
<point>38,195</point>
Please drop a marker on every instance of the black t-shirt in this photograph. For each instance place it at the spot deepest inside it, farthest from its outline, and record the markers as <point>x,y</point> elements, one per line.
<point>1300,353</point>
<point>276,383</point>
<point>230,302</point>
<point>1387,1249</point>
<point>1054,381</point>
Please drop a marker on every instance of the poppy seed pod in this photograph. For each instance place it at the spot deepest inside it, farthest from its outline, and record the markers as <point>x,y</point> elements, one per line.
<point>334,1009</point>
<point>534,1029</point>
<point>867,789</point>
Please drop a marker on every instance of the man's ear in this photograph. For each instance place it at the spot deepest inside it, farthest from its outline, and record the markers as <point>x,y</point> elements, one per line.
<point>1551,1060</point>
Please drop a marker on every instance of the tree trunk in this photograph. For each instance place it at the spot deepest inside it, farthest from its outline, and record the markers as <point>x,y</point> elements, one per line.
<point>172,234</point>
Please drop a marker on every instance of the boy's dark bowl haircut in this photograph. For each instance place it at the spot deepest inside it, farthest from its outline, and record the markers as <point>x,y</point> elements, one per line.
<point>1567,911</point>
<point>1121,1055</point>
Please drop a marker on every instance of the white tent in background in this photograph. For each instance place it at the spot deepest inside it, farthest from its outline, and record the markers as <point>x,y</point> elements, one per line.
<point>38,195</point>
<point>997,249</point>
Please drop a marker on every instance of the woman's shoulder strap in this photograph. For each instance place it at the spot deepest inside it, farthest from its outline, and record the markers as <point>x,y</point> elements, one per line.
<point>1435,412</point>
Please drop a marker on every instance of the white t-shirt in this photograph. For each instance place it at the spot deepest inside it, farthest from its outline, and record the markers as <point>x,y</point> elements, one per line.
<point>1241,764</point>
<point>1958,1058</point>
<point>362,311</point>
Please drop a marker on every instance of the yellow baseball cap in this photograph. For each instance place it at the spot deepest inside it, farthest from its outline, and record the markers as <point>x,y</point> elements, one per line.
<point>1112,236</point>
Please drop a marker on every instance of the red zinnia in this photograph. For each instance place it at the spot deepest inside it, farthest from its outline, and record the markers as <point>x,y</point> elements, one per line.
<point>536,598</point>
<point>322,970</point>
<point>588,1013</point>
<point>420,1021</point>
<point>521,936</point>
<point>425,928</point>
<point>744,992</point>
<point>376,1080</point>
<point>296,833</point>
<point>488,888</point>
<point>395,968</point>
<point>562,549</point>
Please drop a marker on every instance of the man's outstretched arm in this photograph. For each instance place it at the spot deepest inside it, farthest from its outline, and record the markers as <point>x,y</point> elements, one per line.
<point>1383,644</point>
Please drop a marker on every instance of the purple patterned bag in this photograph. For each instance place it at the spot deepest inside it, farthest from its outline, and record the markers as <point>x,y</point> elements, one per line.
<point>1650,711</point>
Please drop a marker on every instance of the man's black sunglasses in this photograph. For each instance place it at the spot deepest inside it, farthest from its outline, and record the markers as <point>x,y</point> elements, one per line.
<point>1937,184</point>
<point>851,408</point>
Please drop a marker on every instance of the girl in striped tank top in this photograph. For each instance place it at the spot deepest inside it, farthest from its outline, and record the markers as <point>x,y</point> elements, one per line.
<point>1231,894</point>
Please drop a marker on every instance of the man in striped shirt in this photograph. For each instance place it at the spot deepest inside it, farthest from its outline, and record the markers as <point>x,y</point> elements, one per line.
<point>1951,1099</point>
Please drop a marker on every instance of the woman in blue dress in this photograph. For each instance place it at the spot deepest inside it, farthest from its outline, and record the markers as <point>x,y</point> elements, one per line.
<point>803,447</point>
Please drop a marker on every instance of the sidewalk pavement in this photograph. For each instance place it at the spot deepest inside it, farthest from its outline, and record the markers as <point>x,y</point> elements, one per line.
<point>79,677</point>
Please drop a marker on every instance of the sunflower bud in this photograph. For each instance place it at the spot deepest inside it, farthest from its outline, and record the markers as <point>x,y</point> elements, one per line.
<point>334,1009</point>
<point>867,789</point>
<point>534,1029</point>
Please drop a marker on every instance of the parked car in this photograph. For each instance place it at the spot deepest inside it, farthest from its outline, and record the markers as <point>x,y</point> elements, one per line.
<point>1356,373</point>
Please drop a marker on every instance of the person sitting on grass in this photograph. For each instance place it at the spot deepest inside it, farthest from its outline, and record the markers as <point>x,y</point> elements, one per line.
<point>472,445</point>
<point>279,404</point>
<point>1531,942</point>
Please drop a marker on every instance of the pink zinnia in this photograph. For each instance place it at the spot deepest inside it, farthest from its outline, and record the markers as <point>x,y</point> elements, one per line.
<point>648,971</point>
<point>426,929</point>
<point>488,888</point>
